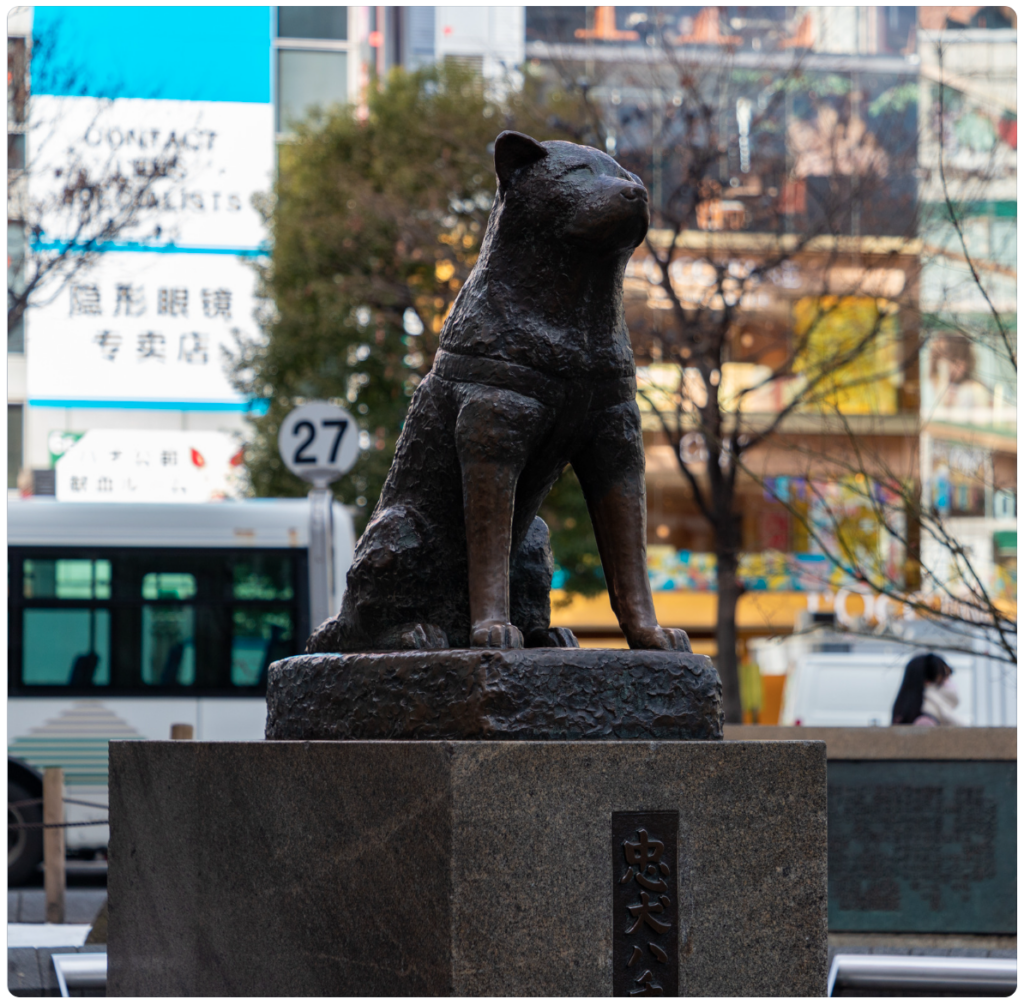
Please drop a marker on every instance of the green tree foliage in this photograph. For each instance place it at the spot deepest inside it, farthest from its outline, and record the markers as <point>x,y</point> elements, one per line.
<point>572,538</point>
<point>375,224</point>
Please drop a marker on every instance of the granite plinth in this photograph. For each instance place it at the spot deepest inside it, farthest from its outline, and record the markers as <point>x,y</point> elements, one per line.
<point>455,867</point>
<point>495,694</point>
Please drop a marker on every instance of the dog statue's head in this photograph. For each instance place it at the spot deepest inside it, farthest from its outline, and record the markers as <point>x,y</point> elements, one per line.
<point>576,194</point>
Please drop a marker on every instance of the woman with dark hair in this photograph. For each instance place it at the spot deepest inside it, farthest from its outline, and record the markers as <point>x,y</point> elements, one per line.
<point>927,695</point>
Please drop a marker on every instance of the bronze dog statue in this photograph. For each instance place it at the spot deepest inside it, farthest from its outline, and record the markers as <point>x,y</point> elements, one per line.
<point>534,371</point>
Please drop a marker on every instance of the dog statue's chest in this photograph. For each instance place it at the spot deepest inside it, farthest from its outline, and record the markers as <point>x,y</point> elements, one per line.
<point>572,352</point>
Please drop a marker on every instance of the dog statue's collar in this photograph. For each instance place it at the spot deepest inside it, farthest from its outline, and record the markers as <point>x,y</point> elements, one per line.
<point>545,388</point>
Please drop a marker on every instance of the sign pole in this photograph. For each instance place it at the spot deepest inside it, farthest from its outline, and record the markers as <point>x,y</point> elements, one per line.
<point>321,555</point>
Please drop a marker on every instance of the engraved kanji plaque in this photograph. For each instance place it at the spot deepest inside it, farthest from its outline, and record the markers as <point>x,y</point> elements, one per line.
<point>645,934</point>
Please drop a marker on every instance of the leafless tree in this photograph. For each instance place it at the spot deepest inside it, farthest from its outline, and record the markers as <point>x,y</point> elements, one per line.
<point>67,203</point>
<point>713,134</point>
<point>942,578</point>
<point>939,577</point>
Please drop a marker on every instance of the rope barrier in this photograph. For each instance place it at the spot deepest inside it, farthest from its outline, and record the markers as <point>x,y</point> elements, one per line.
<point>67,801</point>
<point>88,804</point>
<point>55,825</point>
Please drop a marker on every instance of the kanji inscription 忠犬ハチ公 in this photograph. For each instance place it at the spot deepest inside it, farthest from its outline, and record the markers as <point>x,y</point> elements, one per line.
<point>645,947</point>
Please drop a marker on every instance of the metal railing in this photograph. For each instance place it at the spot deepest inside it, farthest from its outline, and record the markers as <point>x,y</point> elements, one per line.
<point>977,976</point>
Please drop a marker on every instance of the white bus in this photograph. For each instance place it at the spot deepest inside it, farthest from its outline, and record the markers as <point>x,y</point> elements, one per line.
<point>124,619</point>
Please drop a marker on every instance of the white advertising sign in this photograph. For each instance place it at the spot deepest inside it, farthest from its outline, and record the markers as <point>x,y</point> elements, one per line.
<point>146,466</point>
<point>196,165</point>
<point>148,318</point>
<point>143,326</point>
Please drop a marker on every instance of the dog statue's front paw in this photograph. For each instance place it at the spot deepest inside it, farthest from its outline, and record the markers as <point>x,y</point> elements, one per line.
<point>562,638</point>
<point>552,638</point>
<point>496,635</point>
<point>660,638</point>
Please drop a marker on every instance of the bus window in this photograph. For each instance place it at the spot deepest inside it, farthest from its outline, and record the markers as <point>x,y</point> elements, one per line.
<point>66,646</point>
<point>263,577</point>
<point>259,637</point>
<point>153,621</point>
<point>168,646</point>
<point>260,634</point>
<point>168,586</point>
<point>67,579</point>
<point>168,629</point>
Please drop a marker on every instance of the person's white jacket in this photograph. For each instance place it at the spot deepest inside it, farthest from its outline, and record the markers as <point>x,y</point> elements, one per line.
<point>940,705</point>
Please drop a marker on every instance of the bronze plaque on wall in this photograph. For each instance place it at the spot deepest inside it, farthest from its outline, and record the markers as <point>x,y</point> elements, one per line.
<point>922,846</point>
<point>645,909</point>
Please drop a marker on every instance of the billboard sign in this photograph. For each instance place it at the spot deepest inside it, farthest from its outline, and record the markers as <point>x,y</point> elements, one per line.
<point>146,466</point>
<point>967,382</point>
<point>194,166</point>
<point>147,319</point>
<point>149,326</point>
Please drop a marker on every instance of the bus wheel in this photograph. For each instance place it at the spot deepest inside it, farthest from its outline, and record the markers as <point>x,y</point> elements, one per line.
<point>24,846</point>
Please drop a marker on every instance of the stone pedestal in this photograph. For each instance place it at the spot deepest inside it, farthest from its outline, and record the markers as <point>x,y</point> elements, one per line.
<point>464,867</point>
<point>495,694</point>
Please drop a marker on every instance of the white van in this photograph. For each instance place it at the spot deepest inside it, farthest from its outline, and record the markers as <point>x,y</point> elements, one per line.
<point>125,618</point>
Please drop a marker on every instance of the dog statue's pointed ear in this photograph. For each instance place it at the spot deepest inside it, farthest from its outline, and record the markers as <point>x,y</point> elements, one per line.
<point>513,150</point>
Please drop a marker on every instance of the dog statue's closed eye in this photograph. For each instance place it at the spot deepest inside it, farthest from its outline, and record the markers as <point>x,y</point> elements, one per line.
<point>534,372</point>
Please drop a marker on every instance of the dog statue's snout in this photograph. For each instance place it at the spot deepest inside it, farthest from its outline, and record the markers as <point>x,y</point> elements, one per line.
<point>634,193</point>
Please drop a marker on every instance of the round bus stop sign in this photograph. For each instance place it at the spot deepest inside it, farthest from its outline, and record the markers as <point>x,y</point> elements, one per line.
<point>319,442</point>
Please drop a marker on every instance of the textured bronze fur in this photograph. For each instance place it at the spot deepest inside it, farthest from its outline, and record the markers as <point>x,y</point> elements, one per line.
<point>534,372</point>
